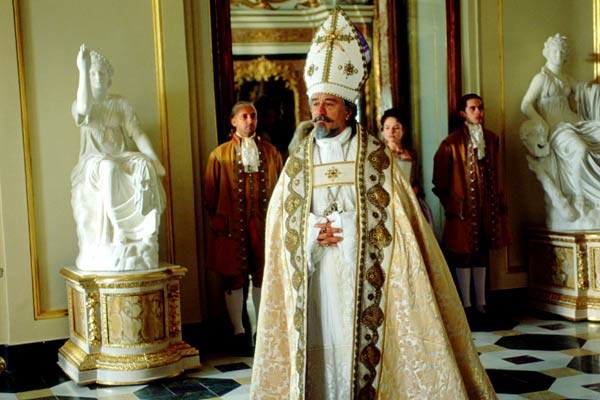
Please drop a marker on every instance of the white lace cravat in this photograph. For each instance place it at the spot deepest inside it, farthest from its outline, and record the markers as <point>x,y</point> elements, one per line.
<point>477,139</point>
<point>249,153</point>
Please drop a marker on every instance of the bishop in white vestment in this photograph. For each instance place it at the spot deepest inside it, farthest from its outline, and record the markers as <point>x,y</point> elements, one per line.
<point>357,299</point>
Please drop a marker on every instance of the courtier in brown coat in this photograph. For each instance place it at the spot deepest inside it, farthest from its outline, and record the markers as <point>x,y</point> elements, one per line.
<point>240,177</point>
<point>466,180</point>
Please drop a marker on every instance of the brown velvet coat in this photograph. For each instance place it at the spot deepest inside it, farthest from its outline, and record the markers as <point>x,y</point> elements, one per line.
<point>236,203</point>
<point>473,222</point>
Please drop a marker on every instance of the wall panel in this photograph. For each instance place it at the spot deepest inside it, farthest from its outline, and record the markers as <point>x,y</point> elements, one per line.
<point>508,36</point>
<point>39,43</point>
<point>523,44</point>
<point>51,33</point>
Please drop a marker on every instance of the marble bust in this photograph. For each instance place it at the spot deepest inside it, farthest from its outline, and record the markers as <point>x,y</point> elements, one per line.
<point>562,138</point>
<point>116,191</point>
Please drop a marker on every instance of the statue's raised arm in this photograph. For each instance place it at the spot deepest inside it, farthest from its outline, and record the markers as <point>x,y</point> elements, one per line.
<point>84,90</point>
<point>117,195</point>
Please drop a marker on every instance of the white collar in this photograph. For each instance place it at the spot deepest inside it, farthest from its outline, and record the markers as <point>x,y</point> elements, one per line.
<point>340,138</point>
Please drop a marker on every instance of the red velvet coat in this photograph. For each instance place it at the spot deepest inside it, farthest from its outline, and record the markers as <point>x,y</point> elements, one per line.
<point>236,203</point>
<point>471,193</point>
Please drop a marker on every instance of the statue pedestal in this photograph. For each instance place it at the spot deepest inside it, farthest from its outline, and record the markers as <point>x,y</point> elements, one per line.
<point>564,273</point>
<point>125,327</point>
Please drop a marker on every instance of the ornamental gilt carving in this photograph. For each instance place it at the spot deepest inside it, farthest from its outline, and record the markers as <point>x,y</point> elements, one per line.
<point>268,4</point>
<point>257,4</point>
<point>243,35</point>
<point>262,69</point>
<point>91,302</point>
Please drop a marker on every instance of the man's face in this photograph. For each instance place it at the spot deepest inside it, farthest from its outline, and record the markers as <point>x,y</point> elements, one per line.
<point>329,114</point>
<point>473,112</point>
<point>244,121</point>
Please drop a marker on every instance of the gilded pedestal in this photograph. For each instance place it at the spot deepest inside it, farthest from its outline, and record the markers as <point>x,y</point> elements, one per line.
<point>564,273</point>
<point>125,328</point>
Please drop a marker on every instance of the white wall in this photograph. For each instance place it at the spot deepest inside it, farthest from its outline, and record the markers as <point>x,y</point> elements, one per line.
<point>429,80</point>
<point>511,35</point>
<point>523,59</point>
<point>36,224</point>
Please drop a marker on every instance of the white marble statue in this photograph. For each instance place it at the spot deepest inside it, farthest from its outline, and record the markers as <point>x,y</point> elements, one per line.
<point>563,144</point>
<point>117,195</point>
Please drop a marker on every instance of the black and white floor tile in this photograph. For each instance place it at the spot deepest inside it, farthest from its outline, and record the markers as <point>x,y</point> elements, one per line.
<point>542,358</point>
<point>526,357</point>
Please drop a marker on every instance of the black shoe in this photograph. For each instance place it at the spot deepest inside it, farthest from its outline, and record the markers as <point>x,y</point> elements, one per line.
<point>482,310</point>
<point>470,313</point>
<point>242,346</point>
<point>473,318</point>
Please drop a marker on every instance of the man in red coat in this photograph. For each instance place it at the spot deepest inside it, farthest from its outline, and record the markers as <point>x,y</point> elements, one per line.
<point>240,176</point>
<point>466,180</point>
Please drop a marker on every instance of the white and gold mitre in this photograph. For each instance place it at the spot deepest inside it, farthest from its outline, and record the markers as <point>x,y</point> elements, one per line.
<point>338,60</point>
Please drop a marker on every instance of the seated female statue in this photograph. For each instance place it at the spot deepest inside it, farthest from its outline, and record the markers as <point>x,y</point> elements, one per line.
<point>564,145</point>
<point>117,195</point>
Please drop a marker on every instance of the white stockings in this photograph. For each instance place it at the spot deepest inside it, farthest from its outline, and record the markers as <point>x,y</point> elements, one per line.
<point>463,275</point>
<point>479,282</point>
<point>234,301</point>
<point>256,299</point>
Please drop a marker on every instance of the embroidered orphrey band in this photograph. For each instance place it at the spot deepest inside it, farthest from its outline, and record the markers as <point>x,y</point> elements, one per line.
<point>374,200</point>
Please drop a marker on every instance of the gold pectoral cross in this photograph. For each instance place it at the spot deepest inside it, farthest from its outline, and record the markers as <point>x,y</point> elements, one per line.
<point>332,174</point>
<point>333,207</point>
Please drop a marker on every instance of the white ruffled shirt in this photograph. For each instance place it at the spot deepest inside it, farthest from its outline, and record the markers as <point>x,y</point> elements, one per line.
<point>249,153</point>
<point>476,132</point>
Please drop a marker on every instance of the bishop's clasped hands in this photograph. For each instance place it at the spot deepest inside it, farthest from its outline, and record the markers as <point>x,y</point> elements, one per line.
<point>327,235</point>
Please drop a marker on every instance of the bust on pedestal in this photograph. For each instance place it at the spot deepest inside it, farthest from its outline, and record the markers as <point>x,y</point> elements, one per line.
<point>124,307</point>
<point>563,145</point>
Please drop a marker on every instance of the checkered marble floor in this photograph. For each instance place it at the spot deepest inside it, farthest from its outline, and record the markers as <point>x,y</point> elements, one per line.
<point>541,357</point>
<point>221,377</point>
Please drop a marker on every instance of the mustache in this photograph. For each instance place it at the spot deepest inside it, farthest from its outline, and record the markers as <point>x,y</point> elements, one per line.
<point>322,118</point>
